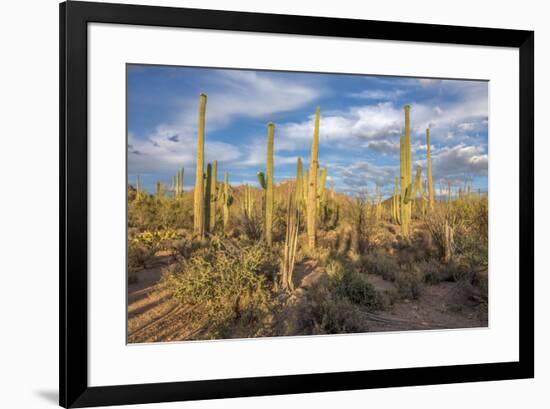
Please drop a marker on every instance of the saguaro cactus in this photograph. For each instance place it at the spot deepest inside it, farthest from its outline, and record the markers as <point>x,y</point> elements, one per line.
<point>227,200</point>
<point>406,177</point>
<point>248,202</point>
<point>299,184</point>
<point>291,240</point>
<point>431,196</point>
<point>138,187</point>
<point>396,201</point>
<point>213,195</point>
<point>269,185</point>
<point>198,208</point>
<point>312,188</point>
<point>208,198</point>
<point>305,187</point>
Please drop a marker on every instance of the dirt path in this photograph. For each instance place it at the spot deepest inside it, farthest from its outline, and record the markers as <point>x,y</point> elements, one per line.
<point>306,274</point>
<point>442,305</point>
<point>153,315</point>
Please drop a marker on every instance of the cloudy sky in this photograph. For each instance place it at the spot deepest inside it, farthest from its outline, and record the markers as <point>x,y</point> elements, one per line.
<point>362,118</point>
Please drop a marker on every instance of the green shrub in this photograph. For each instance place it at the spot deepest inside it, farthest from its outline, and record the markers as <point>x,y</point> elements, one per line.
<point>324,311</point>
<point>335,269</point>
<point>138,255</point>
<point>433,272</point>
<point>228,281</point>
<point>409,284</point>
<point>381,263</point>
<point>357,289</point>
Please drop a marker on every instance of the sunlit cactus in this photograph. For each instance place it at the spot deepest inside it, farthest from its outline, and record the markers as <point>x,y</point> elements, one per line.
<point>248,202</point>
<point>431,196</point>
<point>396,202</point>
<point>269,185</point>
<point>227,200</point>
<point>312,188</point>
<point>213,195</point>
<point>208,196</point>
<point>408,190</point>
<point>305,186</point>
<point>198,208</point>
<point>299,184</point>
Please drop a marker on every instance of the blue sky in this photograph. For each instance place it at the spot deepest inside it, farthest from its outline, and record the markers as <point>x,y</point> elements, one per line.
<point>362,118</point>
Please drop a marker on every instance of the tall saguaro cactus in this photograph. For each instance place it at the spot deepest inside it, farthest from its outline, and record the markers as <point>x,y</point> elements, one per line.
<point>198,208</point>
<point>312,188</point>
<point>299,184</point>
<point>227,200</point>
<point>213,196</point>
<point>207,198</point>
<point>396,201</point>
<point>405,173</point>
<point>305,187</point>
<point>269,185</point>
<point>431,197</point>
<point>248,202</point>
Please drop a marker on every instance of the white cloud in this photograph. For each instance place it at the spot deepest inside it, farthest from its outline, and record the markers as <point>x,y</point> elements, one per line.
<point>460,162</point>
<point>378,94</point>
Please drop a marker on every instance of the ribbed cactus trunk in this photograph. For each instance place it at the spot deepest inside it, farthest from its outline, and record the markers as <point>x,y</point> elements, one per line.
<point>299,184</point>
<point>305,187</point>
<point>312,188</point>
<point>207,198</point>
<point>248,202</point>
<point>227,200</point>
<point>269,185</point>
<point>431,195</point>
<point>138,187</point>
<point>198,208</point>
<point>396,202</point>
<point>213,196</point>
<point>406,175</point>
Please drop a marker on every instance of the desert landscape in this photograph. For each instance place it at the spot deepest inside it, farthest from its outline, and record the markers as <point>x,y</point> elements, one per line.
<point>290,255</point>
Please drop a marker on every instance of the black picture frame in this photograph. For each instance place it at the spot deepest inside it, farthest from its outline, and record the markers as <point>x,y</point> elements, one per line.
<point>73,349</point>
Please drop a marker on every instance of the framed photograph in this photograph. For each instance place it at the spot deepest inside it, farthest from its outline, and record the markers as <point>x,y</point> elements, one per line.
<point>256,204</point>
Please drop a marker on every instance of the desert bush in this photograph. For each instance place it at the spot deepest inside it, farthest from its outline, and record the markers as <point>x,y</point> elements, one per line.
<point>409,284</point>
<point>138,255</point>
<point>433,272</point>
<point>228,281</point>
<point>357,289</point>
<point>381,263</point>
<point>334,267</point>
<point>325,311</point>
<point>251,226</point>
